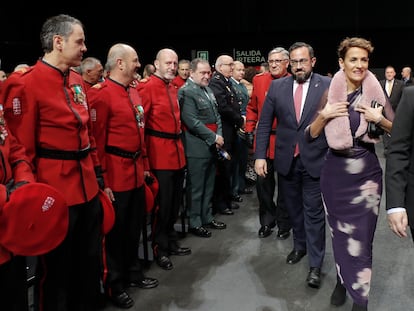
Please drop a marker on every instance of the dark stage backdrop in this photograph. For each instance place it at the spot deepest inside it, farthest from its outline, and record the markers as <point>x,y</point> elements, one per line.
<point>244,29</point>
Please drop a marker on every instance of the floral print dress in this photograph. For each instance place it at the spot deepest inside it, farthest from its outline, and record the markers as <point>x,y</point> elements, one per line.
<point>351,185</point>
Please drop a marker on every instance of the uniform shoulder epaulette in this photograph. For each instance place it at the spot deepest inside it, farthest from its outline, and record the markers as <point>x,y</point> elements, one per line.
<point>24,70</point>
<point>143,80</point>
<point>98,86</point>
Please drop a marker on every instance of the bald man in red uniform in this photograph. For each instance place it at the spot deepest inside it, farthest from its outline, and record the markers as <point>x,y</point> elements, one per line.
<point>118,127</point>
<point>165,151</point>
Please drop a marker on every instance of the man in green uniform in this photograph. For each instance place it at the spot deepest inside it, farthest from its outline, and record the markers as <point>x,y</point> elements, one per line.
<point>202,137</point>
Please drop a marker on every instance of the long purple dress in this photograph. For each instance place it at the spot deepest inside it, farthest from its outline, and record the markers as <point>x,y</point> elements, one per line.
<point>351,185</point>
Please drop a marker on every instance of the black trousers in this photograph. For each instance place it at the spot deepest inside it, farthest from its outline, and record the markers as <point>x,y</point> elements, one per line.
<point>70,275</point>
<point>168,201</point>
<point>122,242</point>
<point>13,285</point>
<point>269,212</point>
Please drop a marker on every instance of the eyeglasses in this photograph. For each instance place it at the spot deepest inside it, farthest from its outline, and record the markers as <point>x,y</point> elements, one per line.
<point>276,61</point>
<point>302,62</point>
<point>230,64</point>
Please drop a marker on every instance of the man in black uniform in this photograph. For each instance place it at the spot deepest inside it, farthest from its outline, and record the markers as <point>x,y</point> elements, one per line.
<point>232,120</point>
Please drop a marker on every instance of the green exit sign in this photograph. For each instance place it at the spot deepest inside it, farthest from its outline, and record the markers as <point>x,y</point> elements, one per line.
<point>202,54</point>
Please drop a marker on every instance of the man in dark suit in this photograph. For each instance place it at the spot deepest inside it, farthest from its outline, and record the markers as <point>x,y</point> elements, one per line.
<point>393,89</point>
<point>406,76</point>
<point>202,135</point>
<point>399,181</point>
<point>298,162</point>
<point>231,119</point>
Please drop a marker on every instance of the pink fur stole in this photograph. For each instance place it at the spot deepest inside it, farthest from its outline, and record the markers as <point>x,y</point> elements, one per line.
<point>337,131</point>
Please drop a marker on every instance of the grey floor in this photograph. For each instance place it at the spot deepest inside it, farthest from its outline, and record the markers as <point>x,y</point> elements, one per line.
<point>234,270</point>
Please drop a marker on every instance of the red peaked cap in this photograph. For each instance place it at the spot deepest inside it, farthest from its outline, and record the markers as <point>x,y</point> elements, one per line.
<point>108,212</point>
<point>34,221</point>
<point>151,191</point>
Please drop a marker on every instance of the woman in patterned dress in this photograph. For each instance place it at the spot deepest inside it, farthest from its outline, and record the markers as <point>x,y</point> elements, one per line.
<point>351,179</point>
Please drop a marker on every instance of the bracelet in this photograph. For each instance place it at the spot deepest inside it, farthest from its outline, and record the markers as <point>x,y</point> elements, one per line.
<point>379,120</point>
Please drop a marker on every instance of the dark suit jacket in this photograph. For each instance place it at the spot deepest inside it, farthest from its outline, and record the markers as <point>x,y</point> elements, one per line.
<point>399,171</point>
<point>408,82</point>
<point>396,92</point>
<point>279,104</point>
<point>228,108</point>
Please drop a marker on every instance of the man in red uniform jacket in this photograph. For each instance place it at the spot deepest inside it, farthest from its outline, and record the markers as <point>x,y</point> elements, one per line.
<point>270,214</point>
<point>118,127</point>
<point>47,109</point>
<point>165,153</point>
<point>15,171</point>
<point>183,73</point>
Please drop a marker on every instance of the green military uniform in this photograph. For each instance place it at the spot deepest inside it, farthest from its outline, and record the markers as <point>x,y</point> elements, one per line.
<point>202,123</point>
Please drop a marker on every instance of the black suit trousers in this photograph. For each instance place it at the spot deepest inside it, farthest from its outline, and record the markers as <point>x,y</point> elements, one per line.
<point>269,212</point>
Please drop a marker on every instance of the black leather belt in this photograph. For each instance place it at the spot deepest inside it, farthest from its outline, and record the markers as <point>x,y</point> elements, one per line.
<point>62,154</point>
<point>162,134</point>
<point>122,153</point>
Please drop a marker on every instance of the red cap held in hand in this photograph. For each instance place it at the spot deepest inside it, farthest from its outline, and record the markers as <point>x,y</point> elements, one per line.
<point>34,221</point>
<point>108,212</point>
<point>151,191</point>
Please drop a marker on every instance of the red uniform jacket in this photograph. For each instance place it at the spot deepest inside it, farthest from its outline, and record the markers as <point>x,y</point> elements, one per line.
<point>163,140</point>
<point>14,164</point>
<point>47,109</point>
<point>261,83</point>
<point>178,81</point>
<point>118,121</point>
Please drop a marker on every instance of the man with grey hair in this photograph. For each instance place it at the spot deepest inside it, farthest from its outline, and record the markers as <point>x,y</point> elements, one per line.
<point>406,76</point>
<point>91,70</point>
<point>46,108</point>
<point>270,214</point>
<point>232,119</point>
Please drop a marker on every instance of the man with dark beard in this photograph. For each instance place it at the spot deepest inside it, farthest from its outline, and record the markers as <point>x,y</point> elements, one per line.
<point>294,102</point>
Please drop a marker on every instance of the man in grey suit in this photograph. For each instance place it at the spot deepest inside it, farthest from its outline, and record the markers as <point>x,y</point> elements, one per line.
<point>298,162</point>
<point>202,137</point>
<point>399,180</point>
<point>393,89</point>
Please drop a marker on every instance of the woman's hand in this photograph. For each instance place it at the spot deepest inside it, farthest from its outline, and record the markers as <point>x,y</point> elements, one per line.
<point>371,114</point>
<point>331,111</point>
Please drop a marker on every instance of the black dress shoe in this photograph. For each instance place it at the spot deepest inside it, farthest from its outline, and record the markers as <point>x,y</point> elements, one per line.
<point>145,283</point>
<point>314,277</point>
<point>265,231</point>
<point>227,211</point>
<point>338,296</point>
<point>214,224</point>
<point>282,234</point>
<point>234,205</point>
<point>356,307</point>
<point>180,251</point>
<point>200,231</point>
<point>164,262</point>
<point>236,198</point>
<point>295,256</point>
<point>122,300</point>
<point>246,191</point>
